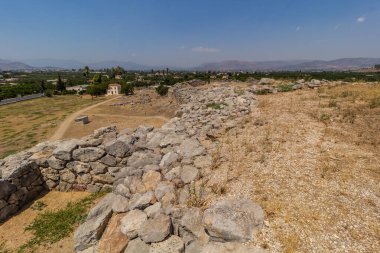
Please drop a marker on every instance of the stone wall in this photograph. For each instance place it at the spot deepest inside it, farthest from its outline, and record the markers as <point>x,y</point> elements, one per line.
<point>154,175</point>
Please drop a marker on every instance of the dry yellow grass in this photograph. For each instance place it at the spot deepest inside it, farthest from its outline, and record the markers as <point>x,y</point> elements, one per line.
<point>27,123</point>
<point>317,177</point>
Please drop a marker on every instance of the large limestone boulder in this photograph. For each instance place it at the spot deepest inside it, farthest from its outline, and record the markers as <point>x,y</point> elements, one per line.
<point>113,240</point>
<point>117,148</point>
<point>90,154</point>
<point>137,246</point>
<point>89,233</point>
<point>190,148</point>
<point>140,159</point>
<point>131,222</point>
<point>156,229</point>
<point>233,220</point>
<point>173,244</point>
<point>65,149</point>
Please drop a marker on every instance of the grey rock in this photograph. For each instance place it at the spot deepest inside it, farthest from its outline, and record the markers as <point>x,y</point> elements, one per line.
<point>140,159</point>
<point>151,180</point>
<point>173,244</point>
<point>89,154</point>
<point>98,168</point>
<point>16,165</point>
<point>233,220</point>
<point>163,188</point>
<point>173,173</point>
<point>117,148</point>
<point>155,229</point>
<point>168,159</point>
<point>122,190</point>
<point>6,188</point>
<point>103,206</point>
<point>141,201</point>
<point>78,167</point>
<point>2,203</point>
<point>50,184</point>
<point>150,167</point>
<point>101,131</point>
<point>89,233</point>
<point>131,222</point>
<point>120,204</point>
<point>109,160</point>
<point>192,221</point>
<point>68,176</point>
<point>7,211</point>
<point>190,148</point>
<point>65,149</point>
<point>189,173</point>
<point>93,188</point>
<point>56,164</point>
<point>153,210</point>
<point>103,178</point>
<point>137,246</point>
<point>84,179</point>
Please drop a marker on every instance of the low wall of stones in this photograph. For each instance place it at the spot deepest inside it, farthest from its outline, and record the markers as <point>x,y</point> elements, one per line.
<point>153,174</point>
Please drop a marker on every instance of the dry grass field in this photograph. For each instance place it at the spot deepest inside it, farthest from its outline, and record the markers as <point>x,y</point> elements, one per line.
<point>144,107</point>
<point>27,123</point>
<point>311,159</point>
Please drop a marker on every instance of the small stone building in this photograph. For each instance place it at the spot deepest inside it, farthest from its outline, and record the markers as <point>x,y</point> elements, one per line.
<point>114,89</point>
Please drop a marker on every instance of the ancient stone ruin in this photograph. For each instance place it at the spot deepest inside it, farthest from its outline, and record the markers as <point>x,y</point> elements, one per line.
<point>156,178</point>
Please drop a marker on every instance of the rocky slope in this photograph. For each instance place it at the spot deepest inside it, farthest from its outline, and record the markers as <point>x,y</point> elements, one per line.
<point>157,202</point>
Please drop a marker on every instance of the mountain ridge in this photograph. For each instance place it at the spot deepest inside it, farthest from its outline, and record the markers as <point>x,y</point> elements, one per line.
<point>227,65</point>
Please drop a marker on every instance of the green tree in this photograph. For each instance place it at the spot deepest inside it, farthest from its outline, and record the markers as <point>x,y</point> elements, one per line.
<point>86,71</point>
<point>377,66</point>
<point>60,84</point>
<point>97,78</point>
<point>128,89</point>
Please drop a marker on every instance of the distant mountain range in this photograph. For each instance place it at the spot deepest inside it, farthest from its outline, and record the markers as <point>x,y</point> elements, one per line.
<point>299,65</point>
<point>13,65</point>
<point>233,65</point>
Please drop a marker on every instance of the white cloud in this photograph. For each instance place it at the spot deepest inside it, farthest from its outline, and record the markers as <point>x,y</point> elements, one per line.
<point>182,47</point>
<point>337,26</point>
<point>360,19</point>
<point>205,50</point>
<point>298,28</point>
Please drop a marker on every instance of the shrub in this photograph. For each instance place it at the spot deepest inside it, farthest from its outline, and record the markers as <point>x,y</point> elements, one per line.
<point>49,93</point>
<point>285,87</point>
<point>162,90</point>
<point>128,89</point>
<point>216,106</point>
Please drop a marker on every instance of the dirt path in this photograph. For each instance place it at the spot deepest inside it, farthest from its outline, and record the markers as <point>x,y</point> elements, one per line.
<point>60,132</point>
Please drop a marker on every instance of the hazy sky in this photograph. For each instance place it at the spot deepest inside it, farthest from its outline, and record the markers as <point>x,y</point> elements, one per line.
<point>186,33</point>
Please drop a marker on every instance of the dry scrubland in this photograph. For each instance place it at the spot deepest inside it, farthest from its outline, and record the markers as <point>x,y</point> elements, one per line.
<point>311,159</point>
<point>27,123</point>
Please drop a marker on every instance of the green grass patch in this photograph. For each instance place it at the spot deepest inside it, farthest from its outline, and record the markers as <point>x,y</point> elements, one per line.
<point>52,226</point>
<point>216,106</point>
<point>7,153</point>
<point>285,88</point>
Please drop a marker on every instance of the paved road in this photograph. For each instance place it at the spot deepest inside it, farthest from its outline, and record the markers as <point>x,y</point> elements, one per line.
<point>60,132</point>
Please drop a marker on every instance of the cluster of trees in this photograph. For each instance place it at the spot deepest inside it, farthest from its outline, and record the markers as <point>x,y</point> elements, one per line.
<point>377,66</point>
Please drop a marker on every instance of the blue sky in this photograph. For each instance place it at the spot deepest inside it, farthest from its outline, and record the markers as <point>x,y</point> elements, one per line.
<point>186,33</point>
